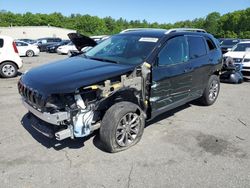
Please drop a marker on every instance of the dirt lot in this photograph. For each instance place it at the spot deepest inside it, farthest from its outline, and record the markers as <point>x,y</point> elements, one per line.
<point>192,146</point>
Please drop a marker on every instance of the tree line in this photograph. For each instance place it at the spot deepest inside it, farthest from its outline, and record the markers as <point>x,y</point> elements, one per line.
<point>231,25</point>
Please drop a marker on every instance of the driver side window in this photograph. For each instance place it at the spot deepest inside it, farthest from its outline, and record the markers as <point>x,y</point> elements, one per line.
<point>175,51</point>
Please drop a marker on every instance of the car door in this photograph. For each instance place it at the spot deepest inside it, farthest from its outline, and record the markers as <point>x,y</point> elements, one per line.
<point>171,77</point>
<point>200,61</point>
<point>21,48</point>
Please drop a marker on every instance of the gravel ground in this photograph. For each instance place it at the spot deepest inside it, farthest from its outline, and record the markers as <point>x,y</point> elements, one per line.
<point>192,146</point>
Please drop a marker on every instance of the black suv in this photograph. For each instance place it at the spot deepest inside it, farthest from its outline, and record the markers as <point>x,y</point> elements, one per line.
<point>44,42</point>
<point>120,83</point>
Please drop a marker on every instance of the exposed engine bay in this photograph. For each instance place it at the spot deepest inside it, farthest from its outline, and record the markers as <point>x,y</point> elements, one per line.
<point>78,114</point>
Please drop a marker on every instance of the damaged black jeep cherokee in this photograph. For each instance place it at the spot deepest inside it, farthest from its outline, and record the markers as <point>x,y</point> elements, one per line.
<point>120,83</point>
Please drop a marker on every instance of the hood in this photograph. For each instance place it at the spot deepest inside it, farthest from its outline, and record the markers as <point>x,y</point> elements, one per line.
<point>81,41</point>
<point>67,75</point>
<point>239,55</point>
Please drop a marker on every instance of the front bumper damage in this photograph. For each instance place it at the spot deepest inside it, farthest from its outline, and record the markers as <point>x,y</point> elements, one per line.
<point>78,114</point>
<point>53,125</point>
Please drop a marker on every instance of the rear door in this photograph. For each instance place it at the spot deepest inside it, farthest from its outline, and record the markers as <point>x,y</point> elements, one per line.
<point>200,63</point>
<point>172,77</point>
<point>22,48</point>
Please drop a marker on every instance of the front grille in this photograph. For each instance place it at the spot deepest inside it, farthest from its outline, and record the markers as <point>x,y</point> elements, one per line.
<point>237,60</point>
<point>31,96</point>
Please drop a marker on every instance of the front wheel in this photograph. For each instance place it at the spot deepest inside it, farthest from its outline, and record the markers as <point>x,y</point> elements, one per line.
<point>212,90</point>
<point>122,126</point>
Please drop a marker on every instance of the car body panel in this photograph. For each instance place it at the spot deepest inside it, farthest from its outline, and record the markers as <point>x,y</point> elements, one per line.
<point>7,52</point>
<point>178,84</point>
<point>170,85</point>
<point>68,75</point>
<point>65,49</point>
<point>81,41</point>
<point>23,47</point>
<point>53,47</point>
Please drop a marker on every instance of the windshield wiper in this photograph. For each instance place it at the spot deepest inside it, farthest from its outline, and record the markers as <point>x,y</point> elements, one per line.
<point>103,59</point>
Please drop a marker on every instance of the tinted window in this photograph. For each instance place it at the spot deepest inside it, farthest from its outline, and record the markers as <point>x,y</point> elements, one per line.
<point>21,44</point>
<point>175,51</point>
<point>1,43</point>
<point>230,42</point>
<point>210,43</point>
<point>197,47</point>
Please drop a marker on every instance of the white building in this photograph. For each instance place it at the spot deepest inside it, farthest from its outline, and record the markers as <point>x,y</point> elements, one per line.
<point>35,32</point>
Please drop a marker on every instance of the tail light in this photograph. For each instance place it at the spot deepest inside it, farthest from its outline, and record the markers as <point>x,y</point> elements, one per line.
<point>14,47</point>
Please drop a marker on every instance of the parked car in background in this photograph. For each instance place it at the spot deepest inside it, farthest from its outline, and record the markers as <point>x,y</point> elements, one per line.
<point>30,41</point>
<point>53,47</point>
<point>120,83</point>
<point>240,53</point>
<point>227,44</point>
<point>65,49</point>
<point>42,43</point>
<point>26,49</point>
<point>10,60</point>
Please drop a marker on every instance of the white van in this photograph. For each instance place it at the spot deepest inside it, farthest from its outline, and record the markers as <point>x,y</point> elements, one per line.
<point>10,61</point>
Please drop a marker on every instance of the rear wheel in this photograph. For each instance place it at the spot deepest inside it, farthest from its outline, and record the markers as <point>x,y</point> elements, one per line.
<point>212,90</point>
<point>122,127</point>
<point>8,70</point>
<point>30,53</point>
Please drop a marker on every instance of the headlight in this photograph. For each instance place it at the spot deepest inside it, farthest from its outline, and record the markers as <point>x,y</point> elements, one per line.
<point>246,60</point>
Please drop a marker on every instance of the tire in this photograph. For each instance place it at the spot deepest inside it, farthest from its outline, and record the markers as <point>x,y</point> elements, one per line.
<point>30,53</point>
<point>211,92</point>
<point>8,70</point>
<point>116,132</point>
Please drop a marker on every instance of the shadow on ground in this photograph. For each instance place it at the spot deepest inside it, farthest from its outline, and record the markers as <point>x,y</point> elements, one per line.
<point>79,142</point>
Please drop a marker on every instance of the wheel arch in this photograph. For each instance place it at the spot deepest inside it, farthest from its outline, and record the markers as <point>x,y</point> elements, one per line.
<point>124,95</point>
<point>5,61</point>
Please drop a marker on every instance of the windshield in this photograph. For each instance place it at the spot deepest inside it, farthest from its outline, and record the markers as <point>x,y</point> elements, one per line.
<point>241,47</point>
<point>229,42</point>
<point>125,49</point>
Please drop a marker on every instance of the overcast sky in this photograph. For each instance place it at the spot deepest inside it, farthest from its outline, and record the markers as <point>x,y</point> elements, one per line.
<point>161,11</point>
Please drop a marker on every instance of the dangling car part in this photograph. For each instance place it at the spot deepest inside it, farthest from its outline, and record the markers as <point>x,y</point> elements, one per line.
<point>231,72</point>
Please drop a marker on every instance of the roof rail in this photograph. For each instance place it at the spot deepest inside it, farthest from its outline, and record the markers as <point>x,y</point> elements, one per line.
<point>185,29</point>
<point>140,29</point>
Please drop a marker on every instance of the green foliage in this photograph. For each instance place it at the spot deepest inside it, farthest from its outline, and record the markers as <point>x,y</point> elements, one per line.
<point>232,25</point>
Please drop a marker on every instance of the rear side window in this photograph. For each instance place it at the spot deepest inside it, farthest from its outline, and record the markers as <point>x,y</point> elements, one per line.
<point>1,43</point>
<point>210,44</point>
<point>197,47</point>
<point>21,44</point>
